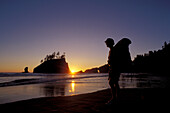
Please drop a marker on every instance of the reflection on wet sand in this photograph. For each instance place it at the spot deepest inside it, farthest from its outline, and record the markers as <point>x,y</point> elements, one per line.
<point>58,89</point>
<point>53,89</point>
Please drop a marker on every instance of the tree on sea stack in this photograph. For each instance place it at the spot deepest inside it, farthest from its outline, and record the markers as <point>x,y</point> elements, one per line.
<point>53,56</point>
<point>58,55</point>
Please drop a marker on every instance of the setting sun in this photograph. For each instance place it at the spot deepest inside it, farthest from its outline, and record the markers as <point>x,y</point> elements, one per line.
<point>73,71</point>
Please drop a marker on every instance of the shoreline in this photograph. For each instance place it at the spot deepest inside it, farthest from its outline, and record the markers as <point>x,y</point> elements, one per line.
<point>142,98</point>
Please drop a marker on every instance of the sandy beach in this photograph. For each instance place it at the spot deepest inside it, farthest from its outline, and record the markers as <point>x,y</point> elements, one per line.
<point>130,100</point>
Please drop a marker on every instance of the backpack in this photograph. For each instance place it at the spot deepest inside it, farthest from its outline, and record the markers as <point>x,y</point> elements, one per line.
<point>122,55</point>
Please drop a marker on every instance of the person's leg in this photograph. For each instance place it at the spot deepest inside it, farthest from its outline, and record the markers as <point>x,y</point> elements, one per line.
<point>113,92</point>
<point>117,90</point>
<point>113,88</point>
<point>110,102</point>
<point>116,82</point>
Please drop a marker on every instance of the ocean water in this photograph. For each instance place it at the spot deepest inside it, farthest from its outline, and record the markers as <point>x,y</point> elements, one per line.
<point>22,86</point>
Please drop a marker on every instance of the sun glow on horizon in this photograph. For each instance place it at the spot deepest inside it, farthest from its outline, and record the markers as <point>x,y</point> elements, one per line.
<point>73,71</point>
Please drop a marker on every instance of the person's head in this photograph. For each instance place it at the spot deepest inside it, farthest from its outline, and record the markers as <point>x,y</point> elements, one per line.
<point>109,42</point>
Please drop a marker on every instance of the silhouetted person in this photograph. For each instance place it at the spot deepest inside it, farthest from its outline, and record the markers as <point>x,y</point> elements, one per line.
<point>119,60</point>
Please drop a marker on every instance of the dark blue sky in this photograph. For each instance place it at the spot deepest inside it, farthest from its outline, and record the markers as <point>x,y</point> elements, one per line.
<point>31,29</point>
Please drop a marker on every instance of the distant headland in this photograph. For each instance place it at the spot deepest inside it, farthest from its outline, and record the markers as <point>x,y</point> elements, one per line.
<point>53,63</point>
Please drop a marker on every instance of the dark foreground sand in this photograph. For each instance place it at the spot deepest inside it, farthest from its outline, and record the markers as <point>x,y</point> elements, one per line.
<point>135,100</point>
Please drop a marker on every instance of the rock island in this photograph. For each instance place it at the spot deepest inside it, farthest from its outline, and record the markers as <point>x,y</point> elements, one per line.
<point>53,64</point>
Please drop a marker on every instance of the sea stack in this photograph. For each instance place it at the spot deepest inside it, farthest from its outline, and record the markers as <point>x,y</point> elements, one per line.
<point>53,66</point>
<point>26,70</point>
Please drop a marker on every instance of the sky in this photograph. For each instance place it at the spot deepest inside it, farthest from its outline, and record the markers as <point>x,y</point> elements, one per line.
<point>31,29</point>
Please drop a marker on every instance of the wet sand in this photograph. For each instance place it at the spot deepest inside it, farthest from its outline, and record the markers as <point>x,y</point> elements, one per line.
<point>130,100</point>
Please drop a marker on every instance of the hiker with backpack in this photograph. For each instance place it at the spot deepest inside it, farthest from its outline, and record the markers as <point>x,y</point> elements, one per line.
<point>119,60</point>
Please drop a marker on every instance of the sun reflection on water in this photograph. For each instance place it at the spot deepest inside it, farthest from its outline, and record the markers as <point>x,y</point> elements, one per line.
<point>72,87</point>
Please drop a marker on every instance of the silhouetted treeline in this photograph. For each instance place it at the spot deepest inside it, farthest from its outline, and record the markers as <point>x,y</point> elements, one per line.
<point>154,61</point>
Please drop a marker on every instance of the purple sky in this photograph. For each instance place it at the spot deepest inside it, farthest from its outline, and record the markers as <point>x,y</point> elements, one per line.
<point>31,29</point>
